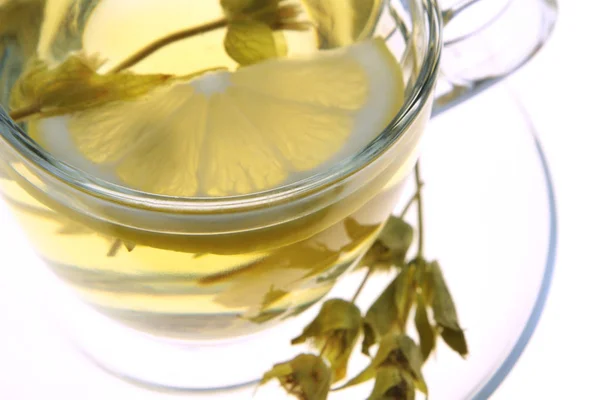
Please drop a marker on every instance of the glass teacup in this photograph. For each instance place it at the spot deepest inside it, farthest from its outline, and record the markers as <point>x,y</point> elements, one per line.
<point>172,291</point>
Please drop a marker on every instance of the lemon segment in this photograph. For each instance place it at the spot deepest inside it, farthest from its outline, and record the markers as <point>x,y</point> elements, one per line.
<point>313,133</point>
<point>238,158</point>
<point>232,133</point>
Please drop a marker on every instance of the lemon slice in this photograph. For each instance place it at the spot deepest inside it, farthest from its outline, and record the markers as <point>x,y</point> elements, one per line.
<point>230,133</point>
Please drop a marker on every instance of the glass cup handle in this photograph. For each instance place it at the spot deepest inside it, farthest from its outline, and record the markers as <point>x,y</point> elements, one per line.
<point>487,40</point>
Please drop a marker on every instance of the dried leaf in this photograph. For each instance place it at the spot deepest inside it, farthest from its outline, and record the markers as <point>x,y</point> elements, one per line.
<point>377,258</point>
<point>307,377</point>
<point>397,351</point>
<point>444,310</point>
<point>249,42</point>
<point>277,14</point>
<point>424,328</point>
<point>405,294</point>
<point>391,246</point>
<point>380,317</point>
<point>265,316</point>
<point>75,85</point>
<point>456,341</point>
<point>392,383</point>
<point>129,245</point>
<point>402,352</point>
<point>272,296</point>
<point>391,309</point>
<point>334,331</point>
<point>357,233</point>
<point>245,7</point>
<point>397,235</point>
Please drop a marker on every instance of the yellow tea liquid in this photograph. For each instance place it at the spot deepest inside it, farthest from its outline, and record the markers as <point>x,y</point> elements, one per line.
<point>212,278</point>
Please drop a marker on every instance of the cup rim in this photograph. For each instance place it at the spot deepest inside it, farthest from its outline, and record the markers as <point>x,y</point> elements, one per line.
<point>94,186</point>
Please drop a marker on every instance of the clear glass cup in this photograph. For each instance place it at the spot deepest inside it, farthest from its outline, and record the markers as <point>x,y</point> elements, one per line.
<point>212,281</point>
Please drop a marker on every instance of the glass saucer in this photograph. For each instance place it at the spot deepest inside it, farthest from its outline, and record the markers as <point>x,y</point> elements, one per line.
<point>490,221</point>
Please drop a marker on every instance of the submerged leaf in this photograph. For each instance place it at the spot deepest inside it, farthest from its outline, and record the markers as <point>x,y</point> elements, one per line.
<point>307,377</point>
<point>277,14</point>
<point>130,246</point>
<point>358,233</point>
<point>444,310</point>
<point>272,296</point>
<point>116,246</point>
<point>266,316</point>
<point>250,42</point>
<point>334,331</point>
<point>75,85</point>
<point>424,328</point>
<point>245,7</point>
<point>392,383</point>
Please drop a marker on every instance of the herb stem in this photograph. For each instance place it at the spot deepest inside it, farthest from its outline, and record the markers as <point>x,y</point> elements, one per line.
<point>23,113</point>
<point>114,249</point>
<point>167,40</point>
<point>322,352</point>
<point>362,284</point>
<point>419,198</point>
<point>407,206</point>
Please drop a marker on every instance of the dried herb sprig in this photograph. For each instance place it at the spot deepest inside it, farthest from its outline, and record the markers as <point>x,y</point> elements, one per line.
<point>253,35</point>
<point>418,286</point>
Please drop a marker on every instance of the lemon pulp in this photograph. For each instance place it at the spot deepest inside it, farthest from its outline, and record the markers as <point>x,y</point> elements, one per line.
<point>230,133</point>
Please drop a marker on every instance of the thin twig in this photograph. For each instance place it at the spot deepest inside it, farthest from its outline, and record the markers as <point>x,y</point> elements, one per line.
<point>23,113</point>
<point>114,249</point>
<point>407,206</point>
<point>167,40</point>
<point>419,209</point>
<point>362,284</point>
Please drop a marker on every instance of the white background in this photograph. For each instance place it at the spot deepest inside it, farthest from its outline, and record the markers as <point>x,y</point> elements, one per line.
<point>560,89</point>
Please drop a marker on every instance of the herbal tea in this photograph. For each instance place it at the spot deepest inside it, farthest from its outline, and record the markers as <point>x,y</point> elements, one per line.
<point>213,100</point>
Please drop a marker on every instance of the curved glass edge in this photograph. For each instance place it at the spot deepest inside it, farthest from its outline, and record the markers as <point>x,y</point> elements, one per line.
<point>515,354</point>
<point>457,94</point>
<point>91,185</point>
